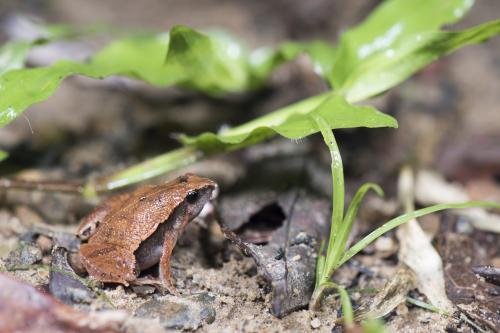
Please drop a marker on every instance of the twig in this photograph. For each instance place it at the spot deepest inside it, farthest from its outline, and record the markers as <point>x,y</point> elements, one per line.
<point>45,186</point>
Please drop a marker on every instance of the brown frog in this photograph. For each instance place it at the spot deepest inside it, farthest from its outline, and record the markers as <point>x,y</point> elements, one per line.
<point>134,231</point>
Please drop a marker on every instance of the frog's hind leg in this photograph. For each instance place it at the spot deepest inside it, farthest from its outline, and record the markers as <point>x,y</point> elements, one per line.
<point>108,263</point>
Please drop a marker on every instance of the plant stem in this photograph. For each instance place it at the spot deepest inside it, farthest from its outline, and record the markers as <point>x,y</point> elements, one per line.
<point>317,295</point>
<point>337,210</point>
<point>346,306</point>
<point>42,185</point>
<point>148,169</point>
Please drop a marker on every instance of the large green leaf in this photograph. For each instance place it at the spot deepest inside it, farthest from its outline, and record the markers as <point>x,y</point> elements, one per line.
<point>211,63</point>
<point>294,122</point>
<point>13,53</point>
<point>389,25</point>
<point>399,38</point>
<point>385,70</point>
<point>264,60</point>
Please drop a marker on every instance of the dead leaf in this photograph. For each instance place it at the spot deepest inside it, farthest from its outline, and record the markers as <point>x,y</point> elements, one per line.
<point>417,252</point>
<point>290,276</point>
<point>386,300</point>
<point>62,282</point>
<point>431,189</point>
<point>25,309</point>
<point>479,299</point>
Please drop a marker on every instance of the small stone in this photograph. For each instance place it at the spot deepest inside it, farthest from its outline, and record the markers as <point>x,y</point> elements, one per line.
<point>143,290</point>
<point>384,244</point>
<point>464,227</point>
<point>296,258</point>
<point>356,296</point>
<point>495,262</point>
<point>180,313</point>
<point>24,254</point>
<point>44,243</point>
<point>46,260</point>
<point>180,284</point>
<point>301,238</point>
<point>75,262</point>
<point>402,310</point>
<point>315,323</point>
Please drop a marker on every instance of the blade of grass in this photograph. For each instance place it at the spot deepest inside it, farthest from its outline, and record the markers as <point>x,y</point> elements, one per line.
<point>320,263</point>
<point>346,227</point>
<point>405,218</point>
<point>338,191</point>
<point>346,306</point>
<point>426,306</point>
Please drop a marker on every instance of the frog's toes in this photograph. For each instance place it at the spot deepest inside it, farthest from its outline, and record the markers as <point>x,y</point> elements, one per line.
<point>108,263</point>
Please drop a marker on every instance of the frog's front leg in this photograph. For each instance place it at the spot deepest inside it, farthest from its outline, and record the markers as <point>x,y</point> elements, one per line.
<point>169,241</point>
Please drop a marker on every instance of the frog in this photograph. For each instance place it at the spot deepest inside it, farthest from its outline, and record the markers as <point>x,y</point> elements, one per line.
<point>134,231</point>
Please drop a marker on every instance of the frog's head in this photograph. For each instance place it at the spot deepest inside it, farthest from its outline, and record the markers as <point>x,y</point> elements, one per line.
<point>199,191</point>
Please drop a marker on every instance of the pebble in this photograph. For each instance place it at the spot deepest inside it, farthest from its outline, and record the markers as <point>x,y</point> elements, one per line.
<point>24,254</point>
<point>44,243</point>
<point>384,244</point>
<point>184,313</point>
<point>464,227</point>
<point>296,258</point>
<point>315,323</point>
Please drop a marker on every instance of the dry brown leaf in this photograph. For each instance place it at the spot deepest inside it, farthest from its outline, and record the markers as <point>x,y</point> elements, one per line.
<point>417,252</point>
<point>25,309</point>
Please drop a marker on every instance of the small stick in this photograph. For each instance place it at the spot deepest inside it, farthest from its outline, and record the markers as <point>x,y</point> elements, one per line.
<point>45,186</point>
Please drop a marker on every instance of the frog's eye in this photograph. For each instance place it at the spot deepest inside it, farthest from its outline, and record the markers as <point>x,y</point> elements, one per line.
<point>88,231</point>
<point>192,197</point>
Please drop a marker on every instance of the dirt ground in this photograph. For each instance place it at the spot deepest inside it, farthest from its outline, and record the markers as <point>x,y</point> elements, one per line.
<point>448,123</point>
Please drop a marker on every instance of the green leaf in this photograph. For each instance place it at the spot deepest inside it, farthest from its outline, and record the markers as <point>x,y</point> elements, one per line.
<point>12,56</point>
<point>399,38</point>
<point>3,155</point>
<point>294,122</point>
<point>338,245</point>
<point>213,64</point>
<point>385,70</point>
<point>426,306</point>
<point>387,27</point>
<point>352,211</point>
<point>264,60</point>
<point>320,264</point>
<point>405,218</point>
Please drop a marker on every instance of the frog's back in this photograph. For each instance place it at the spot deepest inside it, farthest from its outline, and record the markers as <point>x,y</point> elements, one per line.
<point>139,217</point>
